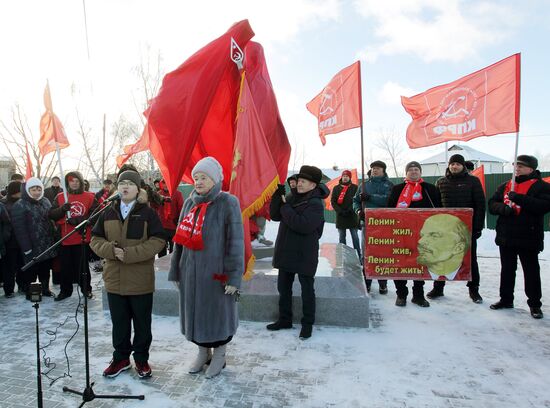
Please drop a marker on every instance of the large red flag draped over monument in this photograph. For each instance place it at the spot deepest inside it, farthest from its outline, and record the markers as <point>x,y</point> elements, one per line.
<point>51,129</point>
<point>484,103</point>
<point>337,106</point>
<point>193,115</point>
<point>254,176</point>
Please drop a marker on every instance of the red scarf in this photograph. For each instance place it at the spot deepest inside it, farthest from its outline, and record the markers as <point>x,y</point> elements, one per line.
<point>343,193</point>
<point>189,231</point>
<point>411,192</point>
<point>521,188</point>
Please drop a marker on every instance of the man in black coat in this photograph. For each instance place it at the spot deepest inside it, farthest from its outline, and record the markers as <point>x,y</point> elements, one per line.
<point>52,191</point>
<point>520,232</point>
<point>459,189</point>
<point>413,193</point>
<point>297,245</point>
<point>346,219</point>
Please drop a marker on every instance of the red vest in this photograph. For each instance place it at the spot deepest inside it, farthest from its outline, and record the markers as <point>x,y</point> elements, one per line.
<point>80,207</point>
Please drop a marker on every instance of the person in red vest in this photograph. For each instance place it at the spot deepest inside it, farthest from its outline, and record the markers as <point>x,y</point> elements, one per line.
<point>169,212</point>
<point>80,205</point>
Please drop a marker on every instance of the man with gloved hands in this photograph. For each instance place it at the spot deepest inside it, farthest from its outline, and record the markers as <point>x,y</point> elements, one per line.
<point>520,232</point>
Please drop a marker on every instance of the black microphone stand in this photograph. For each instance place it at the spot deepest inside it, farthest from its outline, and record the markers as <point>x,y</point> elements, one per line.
<point>39,371</point>
<point>88,393</point>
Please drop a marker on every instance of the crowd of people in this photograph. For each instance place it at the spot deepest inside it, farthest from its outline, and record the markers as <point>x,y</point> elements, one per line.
<point>205,233</point>
<point>519,229</point>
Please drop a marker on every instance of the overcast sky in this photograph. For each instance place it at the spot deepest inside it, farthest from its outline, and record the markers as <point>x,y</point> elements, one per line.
<point>406,47</point>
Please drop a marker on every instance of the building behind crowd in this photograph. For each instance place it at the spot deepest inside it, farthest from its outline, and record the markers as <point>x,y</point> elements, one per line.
<point>436,165</point>
<point>7,168</point>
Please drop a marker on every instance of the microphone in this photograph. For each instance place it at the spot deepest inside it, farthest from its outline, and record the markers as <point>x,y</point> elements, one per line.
<point>114,197</point>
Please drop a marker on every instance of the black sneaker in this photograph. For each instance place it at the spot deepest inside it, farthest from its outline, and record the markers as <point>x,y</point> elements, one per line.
<point>278,325</point>
<point>475,296</point>
<point>305,333</point>
<point>536,313</point>
<point>434,293</point>
<point>420,301</point>
<point>401,301</point>
<point>62,296</point>
<point>501,305</point>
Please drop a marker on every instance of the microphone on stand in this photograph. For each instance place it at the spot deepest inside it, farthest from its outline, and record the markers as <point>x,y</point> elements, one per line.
<point>114,197</point>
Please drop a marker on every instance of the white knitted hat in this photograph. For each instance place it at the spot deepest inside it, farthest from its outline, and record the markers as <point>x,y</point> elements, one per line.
<point>34,182</point>
<point>209,166</point>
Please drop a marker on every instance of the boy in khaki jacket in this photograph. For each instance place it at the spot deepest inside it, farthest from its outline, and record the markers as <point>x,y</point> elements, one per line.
<point>128,236</point>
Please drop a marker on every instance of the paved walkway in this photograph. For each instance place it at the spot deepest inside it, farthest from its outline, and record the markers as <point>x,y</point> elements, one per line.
<point>491,359</point>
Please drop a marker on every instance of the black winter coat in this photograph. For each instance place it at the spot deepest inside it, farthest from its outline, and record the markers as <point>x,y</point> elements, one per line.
<point>12,243</point>
<point>301,226</point>
<point>525,230</point>
<point>5,229</point>
<point>51,192</point>
<point>463,191</point>
<point>430,196</point>
<point>33,228</point>
<point>346,218</point>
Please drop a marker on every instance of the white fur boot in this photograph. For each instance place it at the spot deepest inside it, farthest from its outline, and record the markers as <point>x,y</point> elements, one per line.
<point>205,354</point>
<point>217,363</point>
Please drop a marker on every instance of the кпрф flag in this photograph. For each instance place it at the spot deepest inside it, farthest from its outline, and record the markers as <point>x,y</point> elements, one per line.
<point>484,103</point>
<point>338,106</point>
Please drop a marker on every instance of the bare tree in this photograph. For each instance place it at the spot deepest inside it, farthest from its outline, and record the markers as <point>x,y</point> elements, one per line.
<point>391,143</point>
<point>16,136</point>
<point>149,73</point>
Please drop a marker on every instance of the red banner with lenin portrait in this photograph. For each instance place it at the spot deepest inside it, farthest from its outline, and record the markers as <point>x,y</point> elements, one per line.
<point>418,244</point>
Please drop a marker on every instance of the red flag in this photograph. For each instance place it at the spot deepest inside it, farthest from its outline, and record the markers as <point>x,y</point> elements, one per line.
<point>338,106</point>
<point>254,177</point>
<point>265,102</point>
<point>484,103</point>
<point>546,179</point>
<point>141,145</point>
<point>480,174</point>
<point>29,171</point>
<point>51,129</point>
<point>334,182</point>
<point>193,114</point>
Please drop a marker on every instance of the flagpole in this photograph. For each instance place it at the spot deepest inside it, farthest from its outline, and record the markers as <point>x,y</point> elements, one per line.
<point>362,140</point>
<point>57,149</point>
<point>512,187</point>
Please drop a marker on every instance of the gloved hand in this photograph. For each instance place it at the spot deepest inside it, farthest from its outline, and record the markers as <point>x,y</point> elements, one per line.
<point>66,207</point>
<point>27,256</point>
<point>516,197</point>
<point>508,211</point>
<point>73,221</point>
<point>476,234</point>
<point>167,200</point>
<point>364,196</point>
<point>230,290</point>
<point>281,191</point>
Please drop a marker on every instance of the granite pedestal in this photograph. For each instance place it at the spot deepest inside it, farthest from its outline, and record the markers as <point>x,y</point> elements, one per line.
<point>341,295</point>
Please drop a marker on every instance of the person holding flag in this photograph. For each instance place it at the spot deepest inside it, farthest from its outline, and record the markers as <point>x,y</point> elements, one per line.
<point>413,193</point>
<point>520,232</point>
<point>297,245</point>
<point>346,219</point>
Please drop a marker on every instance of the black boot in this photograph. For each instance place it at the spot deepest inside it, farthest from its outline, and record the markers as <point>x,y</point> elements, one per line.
<point>401,301</point>
<point>435,293</point>
<point>382,287</point>
<point>475,296</point>
<point>501,305</point>
<point>420,301</point>
<point>536,313</point>
<point>279,325</point>
<point>305,333</point>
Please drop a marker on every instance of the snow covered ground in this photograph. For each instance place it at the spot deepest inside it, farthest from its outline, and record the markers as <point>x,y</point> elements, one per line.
<point>453,354</point>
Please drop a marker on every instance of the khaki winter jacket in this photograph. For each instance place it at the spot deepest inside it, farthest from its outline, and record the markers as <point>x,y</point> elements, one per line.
<point>141,235</point>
